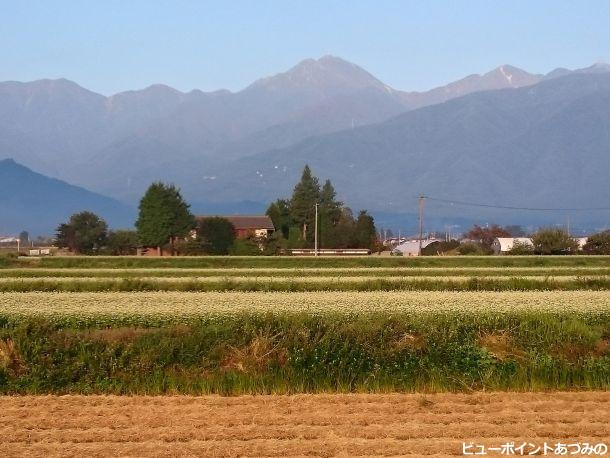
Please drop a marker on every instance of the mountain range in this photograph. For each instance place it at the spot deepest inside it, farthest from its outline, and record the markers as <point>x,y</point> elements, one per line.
<point>508,136</point>
<point>38,204</point>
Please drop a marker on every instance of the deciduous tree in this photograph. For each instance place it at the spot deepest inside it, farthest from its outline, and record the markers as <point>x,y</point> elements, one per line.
<point>164,216</point>
<point>122,242</point>
<point>279,212</point>
<point>84,233</point>
<point>486,235</point>
<point>598,244</point>
<point>217,234</point>
<point>554,241</point>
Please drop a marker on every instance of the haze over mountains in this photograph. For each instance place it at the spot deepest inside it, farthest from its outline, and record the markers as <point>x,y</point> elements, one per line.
<point>36,203</point>
<point>508,137</point>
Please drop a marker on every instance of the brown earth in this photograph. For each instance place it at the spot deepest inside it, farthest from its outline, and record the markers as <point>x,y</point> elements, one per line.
<point>300,425</point>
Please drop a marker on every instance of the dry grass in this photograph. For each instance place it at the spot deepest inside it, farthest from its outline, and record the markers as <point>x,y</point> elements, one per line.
<point>10,358</point>
<point>303,425</point>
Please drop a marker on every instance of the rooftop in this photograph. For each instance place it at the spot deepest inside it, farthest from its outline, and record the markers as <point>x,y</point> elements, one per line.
<point>246,221</point>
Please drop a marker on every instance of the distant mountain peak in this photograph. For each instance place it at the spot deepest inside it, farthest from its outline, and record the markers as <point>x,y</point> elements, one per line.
<point>162,88</point>
<point>513,76</point>
<point>597,67</point>
<point>327,71</point>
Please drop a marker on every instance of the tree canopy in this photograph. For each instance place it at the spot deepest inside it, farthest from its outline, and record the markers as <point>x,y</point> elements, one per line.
<point>598,244</point>
<point>302,204</point>
<point>337,227</point>
<point>164,216</point>
<point>486,235</point>
<point>554,241</point>
<point>216,234</point>
<point>122,242</point>
<point>84,233</point>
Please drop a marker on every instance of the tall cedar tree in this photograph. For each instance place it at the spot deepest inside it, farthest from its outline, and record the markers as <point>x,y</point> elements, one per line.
<point>366,234</point>
<point>329,215</point>
<point>345,231</point>
<point>164,216</point>
<point>304,197</point>
<point>84,233</point>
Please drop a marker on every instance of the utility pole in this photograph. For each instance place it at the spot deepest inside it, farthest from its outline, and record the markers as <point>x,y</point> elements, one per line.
<point>421,221</point>
<point>315,235</point>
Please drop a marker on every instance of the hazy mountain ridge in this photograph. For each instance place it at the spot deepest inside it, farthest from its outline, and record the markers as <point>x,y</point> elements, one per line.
<point>118,144</point>
<point>36,203</point>
<point>377,144</point>
<point>545,145</point>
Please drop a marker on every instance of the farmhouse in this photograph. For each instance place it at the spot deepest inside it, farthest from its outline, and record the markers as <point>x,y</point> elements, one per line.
<point>582,241</point>
<point>502,245</point>
<point>411,247</point>
<point>258,226</point>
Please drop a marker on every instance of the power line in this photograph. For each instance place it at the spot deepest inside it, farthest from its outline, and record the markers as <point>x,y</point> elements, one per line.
<point>507,207</point>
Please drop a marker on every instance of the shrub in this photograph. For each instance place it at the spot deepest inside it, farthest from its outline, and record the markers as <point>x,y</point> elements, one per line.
<point>440,248</point>
<point>245,247</point>
<point>520,249</point>
<point>598,244</point>
<point>553,241</point>
<point>217,234</point>
<point>472,249</point>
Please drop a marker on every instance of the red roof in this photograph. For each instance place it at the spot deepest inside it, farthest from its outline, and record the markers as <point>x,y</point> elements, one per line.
<point>243,222</point>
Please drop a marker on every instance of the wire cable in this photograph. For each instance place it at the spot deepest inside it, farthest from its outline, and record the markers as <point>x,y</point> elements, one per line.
<point>507,207</point>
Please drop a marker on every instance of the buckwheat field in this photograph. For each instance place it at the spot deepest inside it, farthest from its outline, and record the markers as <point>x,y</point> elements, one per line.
<point>490,338</point>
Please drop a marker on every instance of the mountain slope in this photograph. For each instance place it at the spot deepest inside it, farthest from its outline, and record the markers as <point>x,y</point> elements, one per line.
<point>36,203</point>
<point>117,145</point>
<point>505,76</point>
<point>546,145</point>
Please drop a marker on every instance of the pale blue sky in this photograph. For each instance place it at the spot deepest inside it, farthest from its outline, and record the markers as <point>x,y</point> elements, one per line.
<point>114,45</point>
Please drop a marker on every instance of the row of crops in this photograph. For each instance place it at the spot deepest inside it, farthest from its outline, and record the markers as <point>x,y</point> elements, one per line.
<point>216,262</point>
<point>306,283</point>
<point>131,325</point>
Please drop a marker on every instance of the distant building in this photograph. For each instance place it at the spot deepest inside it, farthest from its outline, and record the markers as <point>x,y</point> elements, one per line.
<point>582,241</point>
<point>258,226</point>
<point>411,247</point>
<point>502,245</point>
<point>330,252</point>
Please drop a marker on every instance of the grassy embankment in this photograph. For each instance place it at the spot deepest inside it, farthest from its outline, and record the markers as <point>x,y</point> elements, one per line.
<point>235,338</point>
<point>235,342</point>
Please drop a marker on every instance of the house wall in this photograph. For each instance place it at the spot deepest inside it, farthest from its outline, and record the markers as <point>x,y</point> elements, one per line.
<point>245,233</point>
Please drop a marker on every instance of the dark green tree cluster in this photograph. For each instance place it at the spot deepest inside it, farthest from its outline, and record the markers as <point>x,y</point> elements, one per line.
<point>294,218</point>
<point>87,233</point>
<point>164,217</point>
<point>84,233</point>
<point>165,222</point>
<point>216,235</point>
<point>552,241</point>
<point>598,243</point>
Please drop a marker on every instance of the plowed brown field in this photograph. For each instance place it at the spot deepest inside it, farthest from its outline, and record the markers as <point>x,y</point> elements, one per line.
<point>301,425</point>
